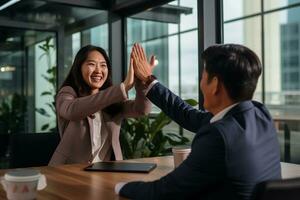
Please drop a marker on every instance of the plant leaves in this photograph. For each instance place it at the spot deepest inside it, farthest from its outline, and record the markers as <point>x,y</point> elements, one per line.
<point>46,93</point>
<point>44,127</point>
<point>192,102</point>
<point>42,111</point>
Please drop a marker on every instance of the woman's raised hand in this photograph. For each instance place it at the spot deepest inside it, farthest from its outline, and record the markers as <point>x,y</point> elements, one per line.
<point>143,69</point>
<point>129,80</point>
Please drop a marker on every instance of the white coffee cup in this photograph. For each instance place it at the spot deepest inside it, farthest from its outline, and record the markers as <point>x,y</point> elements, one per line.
<point>22,184</point>
<point>180,153</point>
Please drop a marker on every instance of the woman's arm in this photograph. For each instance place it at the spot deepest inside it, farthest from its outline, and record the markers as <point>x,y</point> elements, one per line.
<point>141,105</point>
<point>71,107</point>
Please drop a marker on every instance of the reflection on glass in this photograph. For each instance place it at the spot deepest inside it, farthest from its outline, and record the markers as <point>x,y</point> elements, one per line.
<point>282,61</point>
<point>239,8</point>
<point>189,65</point>
<point>246,32</point>
<point>273,4</point>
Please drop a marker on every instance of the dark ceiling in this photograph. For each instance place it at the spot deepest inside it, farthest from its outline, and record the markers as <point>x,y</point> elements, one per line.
<point>48,15</point>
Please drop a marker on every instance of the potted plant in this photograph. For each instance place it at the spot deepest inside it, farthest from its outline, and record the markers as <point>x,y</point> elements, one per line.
<point>144,137</point>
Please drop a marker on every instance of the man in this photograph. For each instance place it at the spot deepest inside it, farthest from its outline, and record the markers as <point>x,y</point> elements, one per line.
<point>235,146</point>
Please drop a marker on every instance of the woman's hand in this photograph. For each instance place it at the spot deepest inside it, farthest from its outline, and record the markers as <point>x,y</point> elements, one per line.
<point>143,69</point>
<point>129,80</point>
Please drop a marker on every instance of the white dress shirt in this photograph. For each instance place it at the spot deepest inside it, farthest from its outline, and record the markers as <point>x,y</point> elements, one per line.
<point>96,137</point>
<point>222,113</point>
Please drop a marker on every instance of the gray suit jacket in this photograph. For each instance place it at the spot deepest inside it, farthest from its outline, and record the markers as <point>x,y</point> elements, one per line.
<point>74,122</point>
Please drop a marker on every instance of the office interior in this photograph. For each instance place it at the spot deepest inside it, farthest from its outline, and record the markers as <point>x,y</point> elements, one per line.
<point>39,39</point>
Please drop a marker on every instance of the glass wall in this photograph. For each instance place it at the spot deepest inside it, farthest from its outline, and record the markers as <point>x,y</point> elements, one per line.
<point>27,62</point>
<point>97,35</point>
<point>173,40</point>
<point>170,32</point>
<point>272,31</point>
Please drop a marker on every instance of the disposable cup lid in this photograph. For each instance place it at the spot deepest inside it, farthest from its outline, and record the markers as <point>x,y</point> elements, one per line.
<point>22,175</point>
<point>181,149</point>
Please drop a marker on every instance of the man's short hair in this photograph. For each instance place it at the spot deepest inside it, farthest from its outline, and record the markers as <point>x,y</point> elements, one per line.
<point>236,66</point>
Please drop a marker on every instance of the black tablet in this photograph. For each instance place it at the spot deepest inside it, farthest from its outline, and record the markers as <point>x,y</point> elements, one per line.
<point>121,167</point>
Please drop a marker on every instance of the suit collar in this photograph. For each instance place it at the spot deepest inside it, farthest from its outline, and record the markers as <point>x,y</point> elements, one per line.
<point>240,107</point>
<point>222,113</point>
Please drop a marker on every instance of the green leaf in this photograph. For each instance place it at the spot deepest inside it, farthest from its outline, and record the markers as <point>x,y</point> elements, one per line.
<point>192,102</point>
<point>46,93</point>
<point>51,70</point>
<point>51,106</point>
<point>44,127</point>
<point>42,111</point>
<point>43,47</point>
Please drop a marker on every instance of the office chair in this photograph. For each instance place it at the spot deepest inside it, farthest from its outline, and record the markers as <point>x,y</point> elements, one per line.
<point>32,149</point>
<point>285,189</point>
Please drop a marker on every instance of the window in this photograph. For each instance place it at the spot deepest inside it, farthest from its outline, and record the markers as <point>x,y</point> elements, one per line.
<point>173,39</point>
<point>271,4</point>
<point>26,63</point>
<point>97,36</point>
<point>240,8</point>
<point>170,32</point>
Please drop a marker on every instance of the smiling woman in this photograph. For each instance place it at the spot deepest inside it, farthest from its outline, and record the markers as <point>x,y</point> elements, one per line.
<point>94,71</point>
<point>90,109</point>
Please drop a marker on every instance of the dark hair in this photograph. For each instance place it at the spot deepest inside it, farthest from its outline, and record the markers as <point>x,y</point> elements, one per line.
<point>236,66</point>
<point>75,80</point>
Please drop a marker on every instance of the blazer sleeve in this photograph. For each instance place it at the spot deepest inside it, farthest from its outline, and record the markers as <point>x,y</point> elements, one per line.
<point>178,110</point>
<point>140,105</point>
<point>71,107</point>
<point>202,170</point>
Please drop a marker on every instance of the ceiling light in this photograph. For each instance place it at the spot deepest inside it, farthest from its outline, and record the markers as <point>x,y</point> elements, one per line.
<point>9,3</point>
<point>7,68</point>
<point>10,39</point>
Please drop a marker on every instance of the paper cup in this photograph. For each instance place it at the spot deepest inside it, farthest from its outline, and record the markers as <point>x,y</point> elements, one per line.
<point>22,184</point>
<point>180,153</point>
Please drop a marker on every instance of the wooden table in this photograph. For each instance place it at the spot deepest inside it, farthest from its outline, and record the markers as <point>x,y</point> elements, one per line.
<point>71,182</point>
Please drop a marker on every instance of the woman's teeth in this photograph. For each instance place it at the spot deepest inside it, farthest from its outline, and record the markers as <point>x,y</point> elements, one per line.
<point>96,78</point>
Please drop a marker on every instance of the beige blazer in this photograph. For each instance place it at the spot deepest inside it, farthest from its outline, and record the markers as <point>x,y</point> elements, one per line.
<point>76,126</point>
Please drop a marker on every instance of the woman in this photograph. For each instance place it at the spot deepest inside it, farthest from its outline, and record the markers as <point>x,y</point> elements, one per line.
<point>90,109</point>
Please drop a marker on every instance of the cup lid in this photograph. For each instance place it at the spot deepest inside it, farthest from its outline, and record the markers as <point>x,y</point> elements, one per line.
<point>22,175</point>
<point>182,149</point>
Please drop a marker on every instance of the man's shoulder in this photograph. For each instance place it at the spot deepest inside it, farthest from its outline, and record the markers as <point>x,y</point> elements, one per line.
<point>208,131</point>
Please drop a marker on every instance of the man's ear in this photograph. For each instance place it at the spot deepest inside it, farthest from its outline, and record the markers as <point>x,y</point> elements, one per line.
<point>215,85</point>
